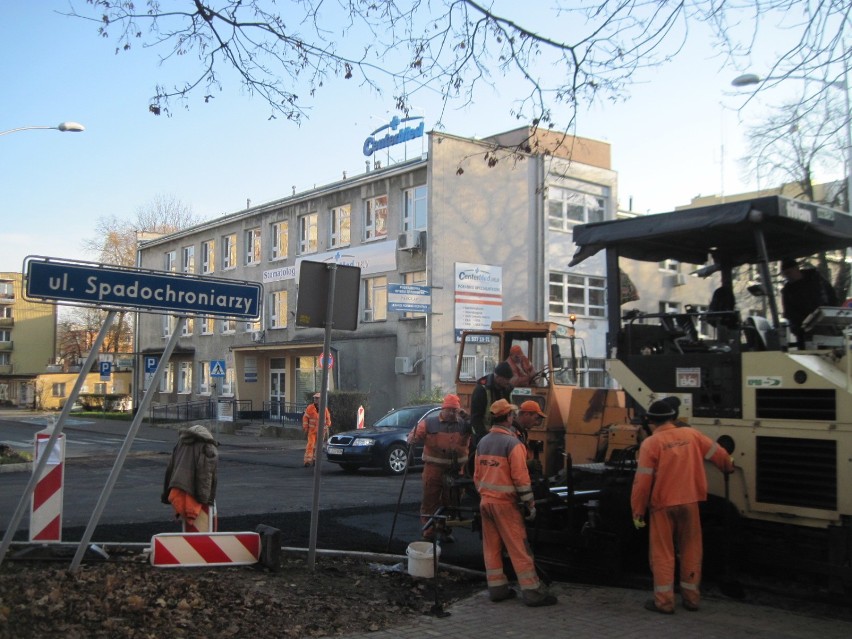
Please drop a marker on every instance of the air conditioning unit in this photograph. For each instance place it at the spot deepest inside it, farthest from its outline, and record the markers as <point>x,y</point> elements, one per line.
<point>678,279</point>
<point>421,240</point>
<point>257,336</point>
<point>402,365</point>
<point>405,241</point>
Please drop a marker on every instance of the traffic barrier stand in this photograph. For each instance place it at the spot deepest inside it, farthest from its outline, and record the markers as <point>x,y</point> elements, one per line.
<point>360,422</point>
<point>174,550</point>
<point>46,501</point>
<point>207,520</point>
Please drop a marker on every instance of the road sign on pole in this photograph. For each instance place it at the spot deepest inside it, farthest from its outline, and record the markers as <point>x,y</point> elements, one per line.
<point>92,284</point>
<point>217,368</point>
<point>106,370</point>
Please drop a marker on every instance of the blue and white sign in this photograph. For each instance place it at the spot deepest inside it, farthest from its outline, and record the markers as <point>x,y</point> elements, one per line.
<point>393,134</point>
<point>92,284</point>
<point>151,362</point>
<point>217,368</point>
<point>106,370</point>
<point>408,298</point>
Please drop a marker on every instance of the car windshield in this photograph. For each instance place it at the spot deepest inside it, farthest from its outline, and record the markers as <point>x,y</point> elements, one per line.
<point>402,418</point>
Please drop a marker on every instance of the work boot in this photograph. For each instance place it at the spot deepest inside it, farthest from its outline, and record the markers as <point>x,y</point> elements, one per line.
<point>501,593</point>
<point>650,605</point>
<point>538,598</point>
<point>691,607</point>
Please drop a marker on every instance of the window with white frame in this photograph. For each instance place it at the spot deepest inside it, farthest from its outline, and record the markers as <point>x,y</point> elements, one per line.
<point>253,246</point>
<point>58,390</point>
<point>308,234</point>
<point>280,238</point>
<point>5,335</point>
<point>5,359</point>
<point>582,203</point>
<point>184,380</point>
<point>415,278</point>
<point>7,290</point>
<point>229,251</point>
<point>188,326</point>
<point>188,259</point>
<point>228,383</point>
<point>669,307</point>
<point>577,294</point>
<point>168,325</point>
<point>167,381</point>
<point>339,226</point>
<point>278,309</point>
<point>208,256</point>
<point>208,325</point>
<point>376,218</point>
<point>6,312</point>
<point>375,299</point>
<point>205,381</point>
<point>171,261</point>
<point>253,327</point>
<point>100,388</point>
<point>669,266</point>
<point>229,325</point>
<point>414,209</point>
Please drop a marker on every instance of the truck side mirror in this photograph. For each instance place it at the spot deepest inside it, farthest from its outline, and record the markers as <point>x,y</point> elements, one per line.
<point>555,357</point>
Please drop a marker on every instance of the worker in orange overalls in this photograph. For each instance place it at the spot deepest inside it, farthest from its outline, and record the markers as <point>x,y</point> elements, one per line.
<point>670,481</point>
<point>310,423</point>
<point>503,481</point>
<point>522,369</point>
<point>446,446</point>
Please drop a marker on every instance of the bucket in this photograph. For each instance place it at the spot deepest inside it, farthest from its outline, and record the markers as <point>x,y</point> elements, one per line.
<point>420,559</point>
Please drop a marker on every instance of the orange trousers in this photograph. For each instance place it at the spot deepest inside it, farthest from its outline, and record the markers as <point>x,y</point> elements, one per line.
<point>436,493</point>
<point>675,529</point>
<point>311,446</point>
<point>503,527</point>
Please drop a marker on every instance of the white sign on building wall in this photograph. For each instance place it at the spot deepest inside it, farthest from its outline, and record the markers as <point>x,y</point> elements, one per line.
<point>478,295</point>
<point>377,257</point>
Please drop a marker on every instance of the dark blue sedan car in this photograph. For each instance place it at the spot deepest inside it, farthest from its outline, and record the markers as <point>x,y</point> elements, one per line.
<point>383,445</point>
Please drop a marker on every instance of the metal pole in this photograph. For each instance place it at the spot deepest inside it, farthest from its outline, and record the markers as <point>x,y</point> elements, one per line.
<point>57,430</point>
<point>128,442</point>
<point>326,349</point>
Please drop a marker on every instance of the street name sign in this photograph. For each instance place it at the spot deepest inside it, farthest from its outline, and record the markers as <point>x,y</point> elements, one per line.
<point>107,286</point>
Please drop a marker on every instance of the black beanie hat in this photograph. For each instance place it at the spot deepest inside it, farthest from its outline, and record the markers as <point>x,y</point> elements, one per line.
<point>662,410</point>
<point>503,370</point>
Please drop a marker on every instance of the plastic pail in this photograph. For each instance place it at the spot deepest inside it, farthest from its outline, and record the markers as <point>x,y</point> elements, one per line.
<point>420,559</point>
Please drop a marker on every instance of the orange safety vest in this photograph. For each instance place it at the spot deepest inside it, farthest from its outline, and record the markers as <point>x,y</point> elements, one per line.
<point>311,418</point>
<point>500,471</point>
<point>444,443</point>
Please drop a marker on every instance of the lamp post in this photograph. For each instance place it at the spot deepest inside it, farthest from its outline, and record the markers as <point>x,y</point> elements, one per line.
<point>74,127</point>
<point>749,79</point>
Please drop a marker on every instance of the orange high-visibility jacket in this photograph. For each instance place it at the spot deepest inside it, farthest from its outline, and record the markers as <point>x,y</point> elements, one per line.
<point>444,442</point>
<point>311,418</point>
<point>671,468</point>
<point>500,472</point>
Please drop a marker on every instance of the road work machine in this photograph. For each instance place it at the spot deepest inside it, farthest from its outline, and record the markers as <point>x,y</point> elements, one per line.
<point>784,414</point>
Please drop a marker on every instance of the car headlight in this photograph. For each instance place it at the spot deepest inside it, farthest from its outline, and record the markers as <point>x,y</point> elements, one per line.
<point>363,441</point>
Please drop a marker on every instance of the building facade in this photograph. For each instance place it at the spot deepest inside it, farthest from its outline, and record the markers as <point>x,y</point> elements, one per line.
<point>27,341</point>
<point>483,226</point>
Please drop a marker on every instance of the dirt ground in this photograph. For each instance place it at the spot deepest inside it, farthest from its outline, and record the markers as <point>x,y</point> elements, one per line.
<point>129,598</point>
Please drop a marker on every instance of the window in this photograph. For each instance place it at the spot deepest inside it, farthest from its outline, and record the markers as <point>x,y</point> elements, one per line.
<point>7,290</point>
<point>417,278</point>
<point>168,325</point>
<point>669,307</point>
<point>208,256</point>
<point>188,259</point>
<point>376,218</point>
<point>184,377</point>
<point>58,390</point>
<point>252,327</point>
<point>207,325</point>
<point>669,266</point>
<point>701,322</point>
<point>188,326</point>
<point>229,251</point>
<point>280,237</point>
<point>5,335</point>
<point>167,381</point>
<point>308,234</point>
<point>171,261</point>
<point>339,223</point>
<point>278,309</point>
<point>204,379</point>
<point>577,294</point>
<point>228,383</point>
<point>375,299</point>
<point>414,209</point>
<point>253,246</point>
<point>568,206</point>
<point>5,359</point>
<point>229,325</point>
<point>100,388</point>
<point>6,312</point>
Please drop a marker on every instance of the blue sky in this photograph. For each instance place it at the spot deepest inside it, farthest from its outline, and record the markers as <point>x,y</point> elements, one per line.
<point>666,138</point>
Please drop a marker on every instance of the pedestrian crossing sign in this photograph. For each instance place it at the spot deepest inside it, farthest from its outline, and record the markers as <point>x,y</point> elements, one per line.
<point>217,368</point>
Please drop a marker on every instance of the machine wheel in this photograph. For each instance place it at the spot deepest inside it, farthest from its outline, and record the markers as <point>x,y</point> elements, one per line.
<point>396,459</point>
<point>349,468</point>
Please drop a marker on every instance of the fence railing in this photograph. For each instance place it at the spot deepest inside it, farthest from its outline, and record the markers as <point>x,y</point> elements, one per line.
<point>184,411</point>
<point>283,413</point>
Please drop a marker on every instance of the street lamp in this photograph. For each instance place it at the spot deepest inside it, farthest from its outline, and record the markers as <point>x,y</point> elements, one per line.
<point>748,79</point>
<point>74,127</point>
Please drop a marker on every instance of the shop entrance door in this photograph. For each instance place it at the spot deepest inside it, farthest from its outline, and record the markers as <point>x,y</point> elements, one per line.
<point>277,387</point>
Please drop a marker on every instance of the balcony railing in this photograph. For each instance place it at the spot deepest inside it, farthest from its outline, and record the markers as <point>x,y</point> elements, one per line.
<point>7,346</point>
<point>7,322</point>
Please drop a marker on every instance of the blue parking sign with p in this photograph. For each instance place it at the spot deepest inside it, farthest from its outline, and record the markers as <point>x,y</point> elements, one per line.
<point>106,369</point>
<point>151,364</point>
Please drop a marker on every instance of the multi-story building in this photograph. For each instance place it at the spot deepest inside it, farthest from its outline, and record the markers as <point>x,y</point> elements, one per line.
<point>484,226</point>
<point>27,341</point>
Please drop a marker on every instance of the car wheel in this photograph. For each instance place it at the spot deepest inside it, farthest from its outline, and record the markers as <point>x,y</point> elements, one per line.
<point>396,459</point>
<point>349,468</point>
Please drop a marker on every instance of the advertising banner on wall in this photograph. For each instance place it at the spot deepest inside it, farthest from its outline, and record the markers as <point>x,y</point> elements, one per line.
<point>478,295</point>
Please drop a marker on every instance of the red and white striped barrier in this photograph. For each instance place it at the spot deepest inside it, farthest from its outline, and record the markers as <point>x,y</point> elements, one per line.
<point>360,422</point>
<point>174,550</point>
<point>46,502</point>
<point>207,520</point>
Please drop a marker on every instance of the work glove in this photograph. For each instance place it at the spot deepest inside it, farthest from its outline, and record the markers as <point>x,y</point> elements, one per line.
<point>530,512</point>
<point>639,522</point>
